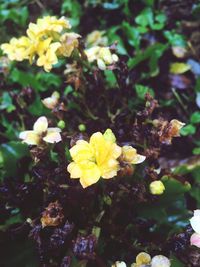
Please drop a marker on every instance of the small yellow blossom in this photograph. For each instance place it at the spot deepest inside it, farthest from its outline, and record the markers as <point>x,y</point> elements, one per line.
<point>69,41</point>
<point>176,127</point>
<point>48,25</point>
<point>49,58</point>
<point>41,132</point>
<point>96,38</point>
<point>94,159</point>
<point>130,155</point>
<point>157,188</point>
<point>102,55</point>
<point>17,49</point>
<point>52,101</point>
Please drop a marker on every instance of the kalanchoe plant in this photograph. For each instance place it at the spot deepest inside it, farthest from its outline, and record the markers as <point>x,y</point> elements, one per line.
<point>102,188</point>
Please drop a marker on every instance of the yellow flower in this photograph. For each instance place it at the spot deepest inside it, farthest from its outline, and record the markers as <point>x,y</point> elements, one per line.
<point>48,59</point>
<point>41,132</point>
<point>129,155</point>
<point>157,188</point>
<point>69,41</point>
<point>45,41</point>
<point>102,55</point>
<point>17,49</point>
<point>47,26</point>
<point>94,159</point>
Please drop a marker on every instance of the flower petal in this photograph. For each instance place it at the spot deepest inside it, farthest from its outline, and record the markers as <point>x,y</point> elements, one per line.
<point>138,159</point>
<point>30,137</point>
<point>91,174</point>
<point>195,223</point>
<point>52,137</point>
<point>74,170</point>
<point>40,126</point>
<point>195,240</point>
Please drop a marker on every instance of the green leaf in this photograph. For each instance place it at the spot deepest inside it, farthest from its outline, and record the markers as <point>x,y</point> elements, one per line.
<point>24,79</point>
<point>179,68</point>
<point>6,102</point>
<point>141,90</point>
<point>145,18</point>
<point>195,117</point>
<point>132,33</point>
<point>11,153</point>
<point>196,151</point>
<point>152,54</point>
<point>175,39</point>
<point>73,10</point>
<point>110,78</point>
<point>188,130</point>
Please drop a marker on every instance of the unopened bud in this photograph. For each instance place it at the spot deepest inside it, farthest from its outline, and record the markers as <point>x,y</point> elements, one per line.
<point>157,188</point>
<point>82,127</point>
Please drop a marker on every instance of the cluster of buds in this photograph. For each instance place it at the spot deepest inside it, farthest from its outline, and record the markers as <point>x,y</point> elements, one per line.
<point>102,55</point>
<point>144,260</point>
<point>45,41</point>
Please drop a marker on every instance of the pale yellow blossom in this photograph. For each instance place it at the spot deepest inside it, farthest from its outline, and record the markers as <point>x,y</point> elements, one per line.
<point>69,41</point>
<point>17,49</point>
<point>40,133</point>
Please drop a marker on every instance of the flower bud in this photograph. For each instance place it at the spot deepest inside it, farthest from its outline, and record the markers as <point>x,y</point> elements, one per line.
<point>157,188</point>
<point>109,136</point>
<point>143,258</point>
<point>61,124</point>
<point>82,127</point>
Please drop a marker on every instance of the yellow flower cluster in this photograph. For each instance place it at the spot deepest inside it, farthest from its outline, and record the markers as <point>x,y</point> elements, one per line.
<point>102,55</point>
<point>98,158</point>
<point>44,42</point>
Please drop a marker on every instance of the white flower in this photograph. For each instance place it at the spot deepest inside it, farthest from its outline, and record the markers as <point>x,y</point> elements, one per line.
<point>41,132</point>
<point>160,261</point>
<point>119,264</point>
<point>195,221</point>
